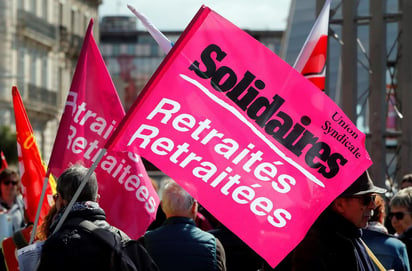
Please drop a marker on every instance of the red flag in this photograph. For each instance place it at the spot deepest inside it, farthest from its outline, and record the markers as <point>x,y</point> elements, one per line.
<point>3,162</point>
<point>311,61</point>
<point>92,112</point>
<point>31,166</point>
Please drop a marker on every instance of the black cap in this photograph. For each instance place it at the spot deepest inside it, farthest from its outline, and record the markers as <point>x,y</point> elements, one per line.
<point>363,185</point>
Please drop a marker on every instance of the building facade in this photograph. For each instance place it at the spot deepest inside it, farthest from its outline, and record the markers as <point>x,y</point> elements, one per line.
<point>40,41</point>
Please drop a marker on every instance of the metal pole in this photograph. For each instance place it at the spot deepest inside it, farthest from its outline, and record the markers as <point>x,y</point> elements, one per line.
<point>349,57</point>
<point>404,87</point>
<point>377,93</point>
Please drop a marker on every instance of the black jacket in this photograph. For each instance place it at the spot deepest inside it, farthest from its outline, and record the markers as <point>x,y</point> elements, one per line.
<point>406,238</point>
<point>73,248</point>
<point>332,243</point>
<point>239,256</point>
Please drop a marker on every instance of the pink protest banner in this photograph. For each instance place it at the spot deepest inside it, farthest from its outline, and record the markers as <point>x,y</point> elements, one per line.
<point>221,116</point>
<point>92,112</point>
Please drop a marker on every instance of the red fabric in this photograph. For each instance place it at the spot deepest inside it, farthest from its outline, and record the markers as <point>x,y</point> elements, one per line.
<point>30,163</point>
<point>3,162</point>
<point>10,249</point>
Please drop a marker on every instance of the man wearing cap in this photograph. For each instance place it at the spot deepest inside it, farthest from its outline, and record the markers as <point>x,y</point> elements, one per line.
<point>334,240</point>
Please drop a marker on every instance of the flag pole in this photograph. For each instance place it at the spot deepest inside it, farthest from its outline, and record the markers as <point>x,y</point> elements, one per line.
<point>318,28</point>
<point>79,189</point>
<point>164,43</point>
<point>39,206</point>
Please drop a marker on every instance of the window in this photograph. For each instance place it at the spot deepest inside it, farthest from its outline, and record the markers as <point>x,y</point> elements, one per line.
<point>131,49</point>
<point>44,70</point>
<point>20,67</point>
<point>20,4</point>
<point>116,50</point>
<point>73,21</point>
<point>44,9</point>
<point>33,67</point>
<point>85,22</point>
<point>123,49</point>
<point>60,18</point>
<point>60,79</point>
<point>106,50</point>
<point>33,6</point>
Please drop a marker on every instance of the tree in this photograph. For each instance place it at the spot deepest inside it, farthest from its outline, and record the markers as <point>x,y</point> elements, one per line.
<point>8,144</point>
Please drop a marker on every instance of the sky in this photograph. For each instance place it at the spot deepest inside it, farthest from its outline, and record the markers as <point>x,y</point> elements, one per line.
<point>176,14</point>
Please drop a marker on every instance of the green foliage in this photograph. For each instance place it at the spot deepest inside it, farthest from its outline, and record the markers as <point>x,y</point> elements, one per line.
<point>8,144</point>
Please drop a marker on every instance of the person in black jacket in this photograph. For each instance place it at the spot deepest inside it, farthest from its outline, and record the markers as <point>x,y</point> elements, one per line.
<point>239,256</point>
<point>179,244</point>
<point>72,248</point>
<point>334,240</point>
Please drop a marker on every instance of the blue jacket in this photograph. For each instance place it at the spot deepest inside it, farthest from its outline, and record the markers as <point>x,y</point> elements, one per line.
<point>389,250</point>
<point>179,245</point>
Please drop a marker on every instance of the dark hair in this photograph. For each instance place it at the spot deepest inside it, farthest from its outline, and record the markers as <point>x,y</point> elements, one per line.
<point>7,173</point>
<point>71,179</point>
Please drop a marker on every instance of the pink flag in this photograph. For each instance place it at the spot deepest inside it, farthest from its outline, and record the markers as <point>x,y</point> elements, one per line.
<point>311,61</point>
<point>92,112</point>
<point>233,133</point>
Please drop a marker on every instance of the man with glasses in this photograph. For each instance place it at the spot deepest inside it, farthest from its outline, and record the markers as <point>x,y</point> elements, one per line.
<point>334,240</point>
<point>401,217</point>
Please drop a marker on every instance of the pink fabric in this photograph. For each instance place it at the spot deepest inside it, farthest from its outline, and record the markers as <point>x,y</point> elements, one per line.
<point>92,112</point>
<point>238,138</point>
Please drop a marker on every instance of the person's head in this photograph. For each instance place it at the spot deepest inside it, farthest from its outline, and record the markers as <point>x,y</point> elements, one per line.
<point>357,202</point>
<point>401,210</point>
<point>70,180</point>
<point>9,184</point>
<point>406,181</point>
<point>177,202</point>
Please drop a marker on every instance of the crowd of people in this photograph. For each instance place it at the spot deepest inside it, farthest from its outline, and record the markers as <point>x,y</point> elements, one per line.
<point>359,230</point>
